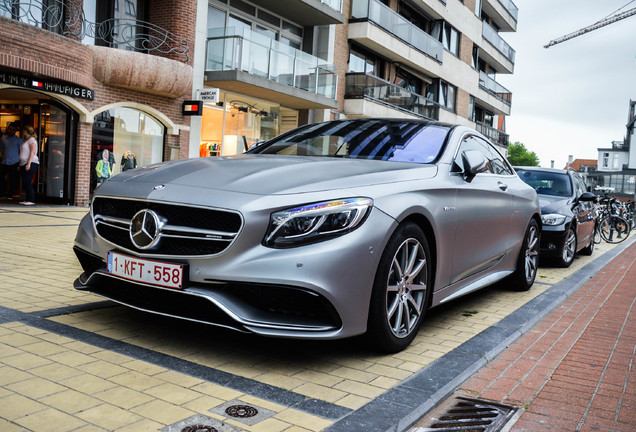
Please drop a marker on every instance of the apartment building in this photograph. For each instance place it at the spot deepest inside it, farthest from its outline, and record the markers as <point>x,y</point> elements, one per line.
<point>273,65</point>
<point>94,75</point>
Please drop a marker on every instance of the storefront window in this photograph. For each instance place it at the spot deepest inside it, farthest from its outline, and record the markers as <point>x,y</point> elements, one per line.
<point>236,123</point>
<point>124,130</point>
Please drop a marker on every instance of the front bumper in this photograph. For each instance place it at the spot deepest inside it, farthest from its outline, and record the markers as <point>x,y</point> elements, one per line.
<point>318,291</point>
<point>553,240</point>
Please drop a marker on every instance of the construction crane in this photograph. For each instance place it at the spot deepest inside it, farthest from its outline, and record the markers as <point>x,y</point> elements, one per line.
<point>599,24</point>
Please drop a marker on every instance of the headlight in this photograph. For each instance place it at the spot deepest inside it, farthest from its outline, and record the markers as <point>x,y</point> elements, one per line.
<point>552,219</point>
<point>316,222</point>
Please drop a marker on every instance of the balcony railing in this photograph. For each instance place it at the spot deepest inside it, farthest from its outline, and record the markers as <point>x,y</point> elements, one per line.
<point>333,4</point>
<point>66,17</point>
<point>395,24</point>
<point>494,134</point>
<point>363,86</point>
<point>512,8</point>
<point>494,88</point>
<point>244,50</point>
<point>491,35</point>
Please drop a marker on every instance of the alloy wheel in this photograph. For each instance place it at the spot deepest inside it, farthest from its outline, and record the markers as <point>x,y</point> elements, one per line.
<point>406,288</point>
<point>532,253</point>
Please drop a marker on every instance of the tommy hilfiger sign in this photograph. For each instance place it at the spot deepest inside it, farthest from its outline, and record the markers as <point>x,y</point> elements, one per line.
<point>49,86</point>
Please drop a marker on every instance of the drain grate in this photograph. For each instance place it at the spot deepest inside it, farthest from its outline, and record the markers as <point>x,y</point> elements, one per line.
<point>471,415</point>
<point>242,411</point>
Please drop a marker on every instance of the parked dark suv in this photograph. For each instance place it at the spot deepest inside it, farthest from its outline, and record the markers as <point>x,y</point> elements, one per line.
<point>567,212</point>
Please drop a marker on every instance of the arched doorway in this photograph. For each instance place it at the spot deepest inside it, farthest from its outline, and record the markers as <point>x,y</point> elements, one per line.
<point>56,127</point>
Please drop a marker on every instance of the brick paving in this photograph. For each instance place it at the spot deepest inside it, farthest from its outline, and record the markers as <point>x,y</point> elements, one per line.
<point>574,371</point>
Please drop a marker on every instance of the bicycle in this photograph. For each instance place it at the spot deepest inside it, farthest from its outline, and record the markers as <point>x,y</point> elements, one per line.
<point>611,226</point>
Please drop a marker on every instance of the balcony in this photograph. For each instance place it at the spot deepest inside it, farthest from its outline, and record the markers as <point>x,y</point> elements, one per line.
<point>252,64</point>
<point>503,12</point>
<point>494,88</point>
<point>368,87</point>
<point>497,50</point>
<point>391,22</point>
<point>308,13</point>
<point>495,135</point>
<point>66,18</point>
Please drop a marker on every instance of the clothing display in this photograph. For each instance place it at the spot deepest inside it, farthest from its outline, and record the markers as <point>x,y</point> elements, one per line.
<point>209,149</point>
<point>128,161</point>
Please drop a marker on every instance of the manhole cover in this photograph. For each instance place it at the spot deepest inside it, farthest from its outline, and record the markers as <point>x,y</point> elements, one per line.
<point>471,415</point>
<point>241,411</point>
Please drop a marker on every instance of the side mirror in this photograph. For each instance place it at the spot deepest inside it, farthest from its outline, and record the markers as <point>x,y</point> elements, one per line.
<point>474,163</point>
<point>587,196</point>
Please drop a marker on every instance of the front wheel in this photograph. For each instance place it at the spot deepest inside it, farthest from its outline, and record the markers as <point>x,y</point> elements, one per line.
<point>527,262</point>
<point>569,249</point>
<point>401,290</point>
<point>614,229</point>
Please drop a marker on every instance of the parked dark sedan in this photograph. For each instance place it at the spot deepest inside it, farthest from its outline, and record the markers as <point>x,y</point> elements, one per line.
<point>567,212</point>
<point>328,231</point>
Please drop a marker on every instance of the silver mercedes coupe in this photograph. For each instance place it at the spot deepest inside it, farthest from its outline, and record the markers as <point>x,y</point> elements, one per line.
<point>331,230</point>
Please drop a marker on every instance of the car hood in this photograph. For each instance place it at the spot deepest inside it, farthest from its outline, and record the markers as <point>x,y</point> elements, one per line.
<point>553,204</point>
<point>274,174</point>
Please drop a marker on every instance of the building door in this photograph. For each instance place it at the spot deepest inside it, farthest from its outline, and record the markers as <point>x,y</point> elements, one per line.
<point>55,178</point>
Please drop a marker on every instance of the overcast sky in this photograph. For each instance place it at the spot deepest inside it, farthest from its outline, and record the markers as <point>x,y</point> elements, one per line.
<point>571,98</point>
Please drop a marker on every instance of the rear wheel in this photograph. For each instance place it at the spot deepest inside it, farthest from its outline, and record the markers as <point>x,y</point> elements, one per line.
<point>587,250</point>
<point>614,229</point>
<point>401,290</point>
<point>528,260</point>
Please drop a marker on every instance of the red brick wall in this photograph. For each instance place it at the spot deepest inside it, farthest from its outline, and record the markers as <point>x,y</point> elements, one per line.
<point>176,16</point>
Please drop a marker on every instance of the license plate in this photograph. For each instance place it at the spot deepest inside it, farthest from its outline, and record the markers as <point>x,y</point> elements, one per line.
<point>147,271</point>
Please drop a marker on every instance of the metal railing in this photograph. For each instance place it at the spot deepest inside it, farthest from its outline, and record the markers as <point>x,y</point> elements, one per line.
<point>494,88</point>
<point>363,86</point>
<point>392,22</point>
<point>494,134</point>
<point>66,18</point>
<point>491,35</point>
<point>229,49</point>
<point>512,8</point>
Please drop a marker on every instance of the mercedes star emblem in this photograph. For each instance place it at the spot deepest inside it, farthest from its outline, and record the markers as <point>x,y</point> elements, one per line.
<point>145,229</point>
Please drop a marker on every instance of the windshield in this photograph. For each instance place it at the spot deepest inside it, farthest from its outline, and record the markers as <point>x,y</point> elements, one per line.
<point>399,141</point>
<point>547,183</point>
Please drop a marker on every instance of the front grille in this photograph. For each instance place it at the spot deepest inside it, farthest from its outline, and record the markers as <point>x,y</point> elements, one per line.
<point>189,231</point>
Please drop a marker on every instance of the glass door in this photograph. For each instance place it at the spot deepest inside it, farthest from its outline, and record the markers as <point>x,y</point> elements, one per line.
<point>55,174</point>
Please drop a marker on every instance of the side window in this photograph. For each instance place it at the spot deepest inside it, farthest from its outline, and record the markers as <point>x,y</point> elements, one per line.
<point>498,162</point>
<point>473,143</point>
<point>579,186</point>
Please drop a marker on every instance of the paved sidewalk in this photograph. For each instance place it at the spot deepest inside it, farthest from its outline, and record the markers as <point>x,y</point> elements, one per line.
<point>574,371</point>
<point>70,361</point>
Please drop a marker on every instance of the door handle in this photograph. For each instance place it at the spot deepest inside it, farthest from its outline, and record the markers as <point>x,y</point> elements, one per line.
<point>502,186</point>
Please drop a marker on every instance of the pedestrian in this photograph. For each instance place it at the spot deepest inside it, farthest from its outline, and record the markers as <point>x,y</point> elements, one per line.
<point>9,166</point>
<point>29,163</point>
<point>103,167</point>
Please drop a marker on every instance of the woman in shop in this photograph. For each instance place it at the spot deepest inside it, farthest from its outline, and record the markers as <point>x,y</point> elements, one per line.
<point>29,163</point>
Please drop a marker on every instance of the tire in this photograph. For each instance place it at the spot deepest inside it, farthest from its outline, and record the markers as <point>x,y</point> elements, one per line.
<point>614,229</point>
<point>567,252</point>
<point>528,261</point>
<point>401,290</point>
<point>587,250</point>
<point>597,233</point>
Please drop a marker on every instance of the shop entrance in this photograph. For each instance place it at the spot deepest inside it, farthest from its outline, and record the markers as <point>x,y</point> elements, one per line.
<point>56,126</point>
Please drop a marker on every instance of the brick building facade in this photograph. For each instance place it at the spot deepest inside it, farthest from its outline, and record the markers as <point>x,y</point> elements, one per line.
<point>46,67</point>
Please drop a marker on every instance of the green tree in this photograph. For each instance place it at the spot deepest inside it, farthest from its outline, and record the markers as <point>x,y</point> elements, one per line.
<point>518,155</point>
